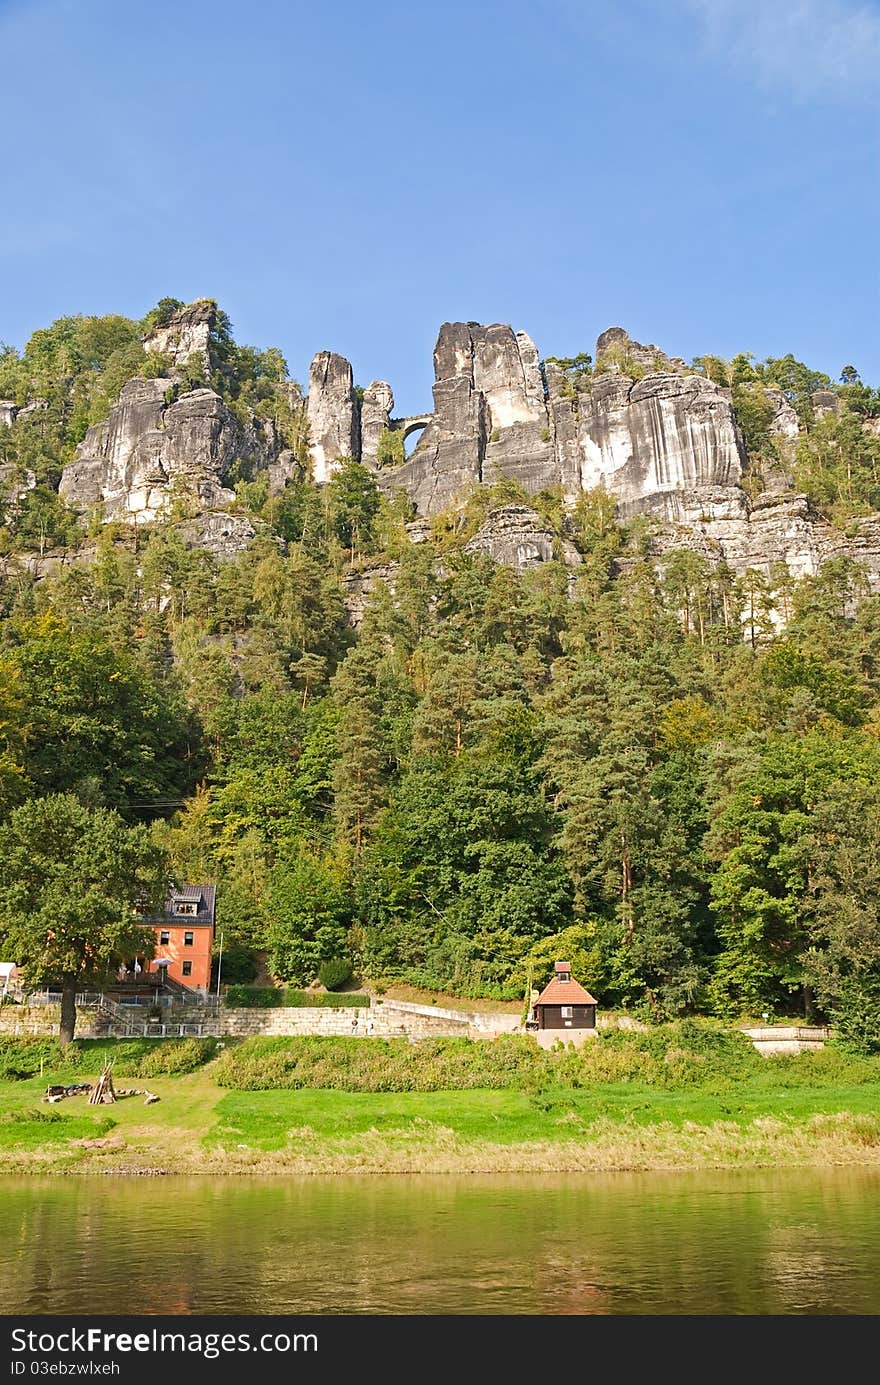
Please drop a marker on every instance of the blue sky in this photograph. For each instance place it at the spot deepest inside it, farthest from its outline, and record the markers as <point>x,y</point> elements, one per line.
<point>348,176</point>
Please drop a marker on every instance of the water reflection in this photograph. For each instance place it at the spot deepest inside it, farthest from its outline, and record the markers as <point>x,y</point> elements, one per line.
<point>729,1243</point>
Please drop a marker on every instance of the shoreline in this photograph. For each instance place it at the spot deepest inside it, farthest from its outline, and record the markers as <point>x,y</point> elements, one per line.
<point>820,1142</point>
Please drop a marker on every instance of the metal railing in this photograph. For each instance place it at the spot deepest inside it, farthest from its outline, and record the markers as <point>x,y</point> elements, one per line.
<point>194,1001</point>
<point>156,1030</point>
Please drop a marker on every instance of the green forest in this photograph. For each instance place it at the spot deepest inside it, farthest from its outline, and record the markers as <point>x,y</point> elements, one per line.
<point>644,772</point>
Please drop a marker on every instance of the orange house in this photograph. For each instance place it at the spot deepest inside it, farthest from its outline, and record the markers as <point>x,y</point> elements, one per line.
<point>185,938</point>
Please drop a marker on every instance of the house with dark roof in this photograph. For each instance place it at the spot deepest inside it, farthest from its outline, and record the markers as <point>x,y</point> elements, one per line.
<point>184,938</point>
<point>564,1004</point>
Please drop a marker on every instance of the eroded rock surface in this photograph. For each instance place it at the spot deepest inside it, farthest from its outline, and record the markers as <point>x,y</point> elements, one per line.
<point>768,531</point>
<point>154,448</point>
<point>333,414</point>
<point>516,536</point>
<point>376,407</point>
<point>497,415</point>
<point>647,440</point>
<point>186,334</point>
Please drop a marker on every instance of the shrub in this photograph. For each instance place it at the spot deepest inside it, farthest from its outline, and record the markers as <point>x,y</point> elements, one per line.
<point>20,1058</point>
<point>857,1015</point>
<point>383,1065</point>
<point>274,997</point>
<point>329,1000</point>
<point>239,965</point>
<point>142,1057</point>
<point>254,997</point>
<point>334,973</point>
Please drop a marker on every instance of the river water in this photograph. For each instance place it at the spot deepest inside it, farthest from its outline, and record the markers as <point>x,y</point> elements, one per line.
<point>756,1242</point>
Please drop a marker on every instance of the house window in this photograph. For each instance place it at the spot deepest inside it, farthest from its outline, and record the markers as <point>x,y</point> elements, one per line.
<point>164,936</point>
<point>567,1012</point>
<point>188,939</point>
<point>187,968</point>
<point>186,908</point>
<point>563,976</point>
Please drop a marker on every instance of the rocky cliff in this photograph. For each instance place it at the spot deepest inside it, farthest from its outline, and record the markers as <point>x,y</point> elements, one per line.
<point>497,414</point>
<point>158,445</point>
<point>660,438</point>
<point>333,414</point>
<point>186,334</point>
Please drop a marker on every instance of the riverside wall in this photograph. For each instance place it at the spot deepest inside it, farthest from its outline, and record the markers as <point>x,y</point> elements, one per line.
<point>383,1020</point>
<point>389,1019</point>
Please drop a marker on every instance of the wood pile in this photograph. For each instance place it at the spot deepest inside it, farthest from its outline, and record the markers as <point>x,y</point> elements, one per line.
<point>103,1093</point>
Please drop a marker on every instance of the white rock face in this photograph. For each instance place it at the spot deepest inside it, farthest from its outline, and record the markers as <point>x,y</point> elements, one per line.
<point>220,534</point>
<point>376,407</point>
<point>768,531</point>
<point>497,416</point>
<point>187,333</point>
<point>15,482</point>
<point>784,424</point>
<point>8,411</point>
<point>333,414</point>
<point>645,441</point>
<point>148,451</point>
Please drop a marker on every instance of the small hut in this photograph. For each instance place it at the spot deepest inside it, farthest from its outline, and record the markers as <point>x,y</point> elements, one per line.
<point>564,1004</point>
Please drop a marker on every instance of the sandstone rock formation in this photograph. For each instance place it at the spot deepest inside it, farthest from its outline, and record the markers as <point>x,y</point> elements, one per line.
<point>496,415</point>
<point>333,414</point>
<point>824,402</point>
<point>186,334</point>
<point>773,529</point>
<point>784,424</point>
<point>361,587</point>
<point>616,342</point>
<point>666,444</point>
<point>647,441</point>
<point>218,533</point>
<point>516,536</point>
<point>490,418</point>
<point>15,483</point>
<point>153,447</point>
<point>376,407</point>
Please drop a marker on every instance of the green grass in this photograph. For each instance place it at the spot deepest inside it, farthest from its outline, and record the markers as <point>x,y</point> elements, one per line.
<point>674,1099</point>
<point>269,1120</point>
<point>32,1128</point>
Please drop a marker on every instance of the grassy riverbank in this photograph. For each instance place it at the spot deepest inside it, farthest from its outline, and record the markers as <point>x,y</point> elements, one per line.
<point>677,1098</point>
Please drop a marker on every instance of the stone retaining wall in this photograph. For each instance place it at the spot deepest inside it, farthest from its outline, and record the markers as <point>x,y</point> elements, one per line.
<point>389,1019</point>
<point>42,1021</point>
<point>787,1038</point>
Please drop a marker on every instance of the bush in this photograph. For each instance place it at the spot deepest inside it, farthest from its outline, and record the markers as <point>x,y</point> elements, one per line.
<point>383,1065</point>
<point>672,1057</point>
<point>857,1014</point>
<point>20,1058</point>
<point>274,998</point>
<point>254,997</point>
<point>332,1000</point>
<point>142,1057</point>
<point>239,964</point>
<point>334,973</point>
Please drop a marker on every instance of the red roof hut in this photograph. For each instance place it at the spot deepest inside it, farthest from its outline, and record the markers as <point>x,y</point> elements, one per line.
<point>564,1004</point>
